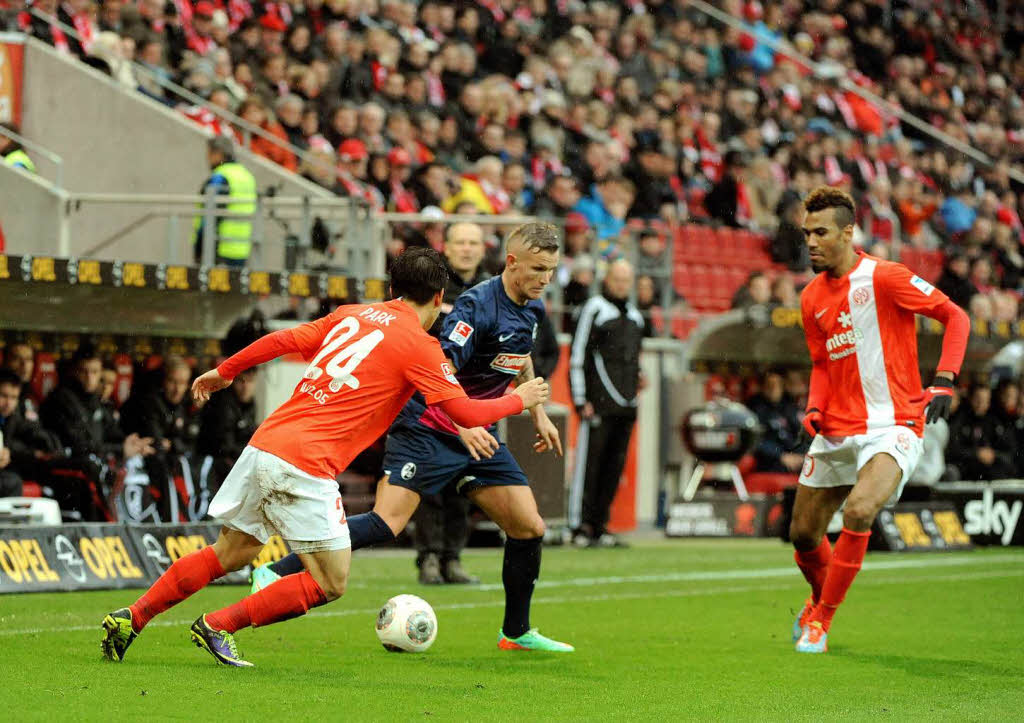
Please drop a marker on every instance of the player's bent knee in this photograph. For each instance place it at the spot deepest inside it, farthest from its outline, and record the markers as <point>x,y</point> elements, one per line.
<point>859,515</point>
<point>527,529</point>
<point>333,585</point>
<point>802,537</point>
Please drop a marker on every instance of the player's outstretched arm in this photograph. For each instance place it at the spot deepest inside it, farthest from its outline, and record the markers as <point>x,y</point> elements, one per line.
<point>262,350</point>
<point>467,412</point>
<point>937,398</point>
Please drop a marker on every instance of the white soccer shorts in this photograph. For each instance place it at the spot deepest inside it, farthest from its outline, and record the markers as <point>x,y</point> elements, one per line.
<point>835,461</point>
<point>264,495</point>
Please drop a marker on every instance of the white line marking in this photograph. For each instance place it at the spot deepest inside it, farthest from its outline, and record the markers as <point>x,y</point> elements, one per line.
<point>681,577</point>
<point>748,574</point>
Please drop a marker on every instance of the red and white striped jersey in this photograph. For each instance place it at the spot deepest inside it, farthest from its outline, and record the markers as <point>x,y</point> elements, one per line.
<point>861,326</point>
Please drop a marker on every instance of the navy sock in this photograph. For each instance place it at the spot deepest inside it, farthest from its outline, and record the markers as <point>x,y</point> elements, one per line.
<point>518,574</point>
<point>289,565</point>
<point>365,530</point>
<point>369,529</point>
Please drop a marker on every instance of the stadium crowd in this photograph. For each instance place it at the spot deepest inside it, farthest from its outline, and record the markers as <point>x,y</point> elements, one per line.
<point>604,112</point>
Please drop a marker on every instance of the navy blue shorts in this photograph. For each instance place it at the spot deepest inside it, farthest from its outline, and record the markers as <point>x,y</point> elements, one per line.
<point>426,462</point>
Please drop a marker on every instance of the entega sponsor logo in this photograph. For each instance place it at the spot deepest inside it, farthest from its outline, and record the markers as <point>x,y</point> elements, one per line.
<point>849,339</point>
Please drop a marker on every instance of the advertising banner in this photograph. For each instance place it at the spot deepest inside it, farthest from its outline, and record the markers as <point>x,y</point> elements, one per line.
<point>101,556</point>
<point>725,517</point>
<point>991,511</point>
<point>70,557</point>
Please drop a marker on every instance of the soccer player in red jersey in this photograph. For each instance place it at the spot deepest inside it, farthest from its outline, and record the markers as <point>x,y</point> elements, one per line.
<point>866,410</point>
<point>365,363</point>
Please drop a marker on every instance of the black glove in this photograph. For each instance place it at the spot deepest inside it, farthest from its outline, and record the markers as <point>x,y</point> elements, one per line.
<point>937,399</point>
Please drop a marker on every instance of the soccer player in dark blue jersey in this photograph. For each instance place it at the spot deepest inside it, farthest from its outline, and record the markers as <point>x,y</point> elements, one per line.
<point>488,337</point>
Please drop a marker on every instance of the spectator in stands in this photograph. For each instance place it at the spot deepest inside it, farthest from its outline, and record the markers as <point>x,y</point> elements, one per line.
<point>980,444</point>
<point>163,415</point>
<point>650,258</point>
<point>25,446</point>
<point>227,423</point>
<point>726,201</point>
<point>784,292</point>
<point>561,194</point>
<point>76,415</point>
<point>20,359</point>
<point>782,446</point>
<point>788,244</point>
<point>954,281</point>
<point>254,112</point>
<point>233,180</point>
<point>90,437</point>
<point>757,291</point>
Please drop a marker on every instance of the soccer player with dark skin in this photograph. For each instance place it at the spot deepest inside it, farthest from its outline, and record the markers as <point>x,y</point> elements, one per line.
<point>866,410</point>
<point>366,360</point>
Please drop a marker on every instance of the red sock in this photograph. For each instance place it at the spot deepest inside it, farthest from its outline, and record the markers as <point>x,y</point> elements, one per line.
<point>187,575</point>
<point>289,597</point>
<point>814,565</point>
<point>846,561</point>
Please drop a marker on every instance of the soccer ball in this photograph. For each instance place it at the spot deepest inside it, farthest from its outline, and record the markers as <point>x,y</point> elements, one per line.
<point>406,623</point>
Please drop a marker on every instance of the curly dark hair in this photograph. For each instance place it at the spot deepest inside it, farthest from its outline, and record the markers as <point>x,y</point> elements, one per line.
<point>824,197</point>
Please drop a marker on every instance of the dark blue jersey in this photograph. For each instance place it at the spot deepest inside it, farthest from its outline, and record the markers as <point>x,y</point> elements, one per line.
<point>489,338</point>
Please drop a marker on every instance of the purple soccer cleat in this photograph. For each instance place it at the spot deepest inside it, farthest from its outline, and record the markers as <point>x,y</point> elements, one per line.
<point>220,644</point>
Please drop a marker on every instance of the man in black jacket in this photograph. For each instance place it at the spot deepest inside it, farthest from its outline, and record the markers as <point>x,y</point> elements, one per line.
<point>25,446</point>
<point>604,375</point>
<point>21,359</point>
<point>980,444</point>
<point>164,415</point>
<point>782,447</point>
<point>75,413</point>
<point>442,520</point>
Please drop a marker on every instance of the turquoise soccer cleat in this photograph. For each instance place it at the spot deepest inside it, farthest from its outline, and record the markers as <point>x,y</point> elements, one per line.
<point>802,618</point>
<point>813,640</point>
<point>533,640</point>
<point>261,577</point>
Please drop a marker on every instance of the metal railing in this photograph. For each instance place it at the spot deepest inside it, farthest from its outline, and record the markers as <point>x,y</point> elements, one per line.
<point>291,219</point>
<point>827,72</point>
<point>248,129</point>
<point>39,150</point>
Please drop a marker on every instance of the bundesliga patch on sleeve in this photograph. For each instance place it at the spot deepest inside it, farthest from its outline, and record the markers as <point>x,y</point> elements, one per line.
<point>923,286</point>
<point>461,333</point>
<point>447,371</point>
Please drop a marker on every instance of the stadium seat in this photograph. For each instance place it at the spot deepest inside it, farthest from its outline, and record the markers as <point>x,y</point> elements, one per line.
<point>29,511</point>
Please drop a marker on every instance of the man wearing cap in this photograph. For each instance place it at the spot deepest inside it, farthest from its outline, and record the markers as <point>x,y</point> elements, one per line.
<point>229,178</point>
<point>200,39</point>
<point>352,157</point>
<point>400,198</point>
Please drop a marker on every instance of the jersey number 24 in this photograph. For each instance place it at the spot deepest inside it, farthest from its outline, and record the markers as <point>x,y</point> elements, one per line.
<point>352,355</point>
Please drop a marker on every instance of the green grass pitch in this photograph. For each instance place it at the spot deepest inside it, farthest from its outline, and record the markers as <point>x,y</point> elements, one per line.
<point>666,630</point>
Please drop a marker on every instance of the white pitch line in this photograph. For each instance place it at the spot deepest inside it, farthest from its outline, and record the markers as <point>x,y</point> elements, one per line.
<point>682,577</point>
<point>748,574</point>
